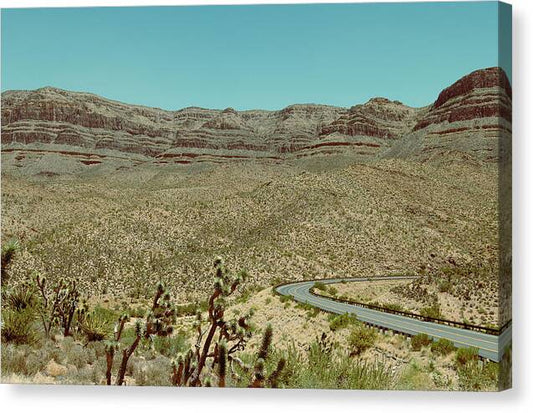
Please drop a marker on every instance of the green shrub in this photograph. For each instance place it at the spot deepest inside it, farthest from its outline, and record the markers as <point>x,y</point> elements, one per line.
<point>332,291</point>
<point>465,355</point>
<point>285,298</point>
<point>433,311</point>
<point>18,326</point>
<point>320,286</point>
<point>361,338</point>
<point>13,359</point>
<point>326,367</point>
<point>97,350</point>
<point>27,361</point>
<point>311,311</point>
<point>190,309</point>
<point>338,322</point>
<point>419,341</point>
<point>153,372</point>
<point>97,325</point>
<point>443,346</point>
<point>394,307</point>
<point>248,292</point>
<point>445,286</point>
<point>8,251</point>
<point>476,376</point>
<point>76,354</point>
<point>170,346</point>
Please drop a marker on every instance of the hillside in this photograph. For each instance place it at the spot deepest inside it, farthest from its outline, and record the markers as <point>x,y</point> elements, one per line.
<point>120,196</point>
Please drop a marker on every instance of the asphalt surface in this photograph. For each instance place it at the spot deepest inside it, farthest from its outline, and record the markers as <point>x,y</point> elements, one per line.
<point>490,346</point>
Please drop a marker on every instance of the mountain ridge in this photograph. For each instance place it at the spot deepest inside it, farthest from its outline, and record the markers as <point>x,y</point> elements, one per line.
<point>469,116</point>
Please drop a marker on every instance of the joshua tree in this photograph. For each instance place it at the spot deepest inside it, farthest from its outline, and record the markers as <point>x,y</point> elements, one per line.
<point>223,340</point>
<point>158,322</point>
<point>232,335</point>
<point>218,341</point>
<point>58,304</point>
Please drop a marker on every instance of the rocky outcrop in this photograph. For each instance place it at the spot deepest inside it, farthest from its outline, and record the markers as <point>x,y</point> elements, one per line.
<point>482,94</point>
<point>468,117</point>
<point>473,116</point>
<point>378,118</point>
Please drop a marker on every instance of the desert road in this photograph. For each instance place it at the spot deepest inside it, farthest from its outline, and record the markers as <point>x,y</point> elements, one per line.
<point>490,346</point>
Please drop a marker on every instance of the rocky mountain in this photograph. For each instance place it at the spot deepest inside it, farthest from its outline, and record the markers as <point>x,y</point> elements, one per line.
<point>77,130</point>
<point>471,118</point>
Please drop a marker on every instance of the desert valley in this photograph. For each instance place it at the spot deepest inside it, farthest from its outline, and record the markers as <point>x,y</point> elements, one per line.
<point>124,199</point>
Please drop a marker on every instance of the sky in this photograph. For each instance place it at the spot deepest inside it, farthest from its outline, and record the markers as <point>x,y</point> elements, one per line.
<point>249,57</point>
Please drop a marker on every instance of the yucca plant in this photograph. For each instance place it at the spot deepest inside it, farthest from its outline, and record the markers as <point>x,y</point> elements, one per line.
<point>94,326</point>
<point>8,252</point>
<point>17,326</point>
<point>21,297</point>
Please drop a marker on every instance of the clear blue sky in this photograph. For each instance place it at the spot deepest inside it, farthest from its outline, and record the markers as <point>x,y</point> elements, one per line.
<point>250,56</point>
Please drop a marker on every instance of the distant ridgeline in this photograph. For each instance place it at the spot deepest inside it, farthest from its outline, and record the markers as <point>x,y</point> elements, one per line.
<point>468,121</point>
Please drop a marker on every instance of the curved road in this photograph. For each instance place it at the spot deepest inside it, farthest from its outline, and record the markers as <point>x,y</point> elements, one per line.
<point>490,346</point>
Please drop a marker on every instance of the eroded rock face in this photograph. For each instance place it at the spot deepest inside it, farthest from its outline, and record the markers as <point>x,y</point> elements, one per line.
<point>470,116</point>
<point>378,118</point>
<point>482,94</point>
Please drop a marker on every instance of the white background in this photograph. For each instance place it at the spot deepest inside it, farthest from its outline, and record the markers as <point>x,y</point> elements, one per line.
<point>17,398</point>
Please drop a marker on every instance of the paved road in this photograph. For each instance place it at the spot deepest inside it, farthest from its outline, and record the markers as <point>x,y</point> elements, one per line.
<point>490,346</point>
